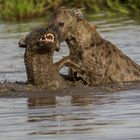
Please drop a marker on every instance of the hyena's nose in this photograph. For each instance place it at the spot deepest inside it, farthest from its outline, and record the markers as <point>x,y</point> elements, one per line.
<point>22,43</point>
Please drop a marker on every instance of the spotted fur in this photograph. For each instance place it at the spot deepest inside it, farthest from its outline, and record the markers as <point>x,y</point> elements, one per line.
<point>96,59</point>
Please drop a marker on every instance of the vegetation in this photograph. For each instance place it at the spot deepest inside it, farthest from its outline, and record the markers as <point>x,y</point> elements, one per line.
<point>26,9</point>
<point>21,9</point>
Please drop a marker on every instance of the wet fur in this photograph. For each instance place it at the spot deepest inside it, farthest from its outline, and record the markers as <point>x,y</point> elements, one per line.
<point>38,59</point>
<point>96,60</point>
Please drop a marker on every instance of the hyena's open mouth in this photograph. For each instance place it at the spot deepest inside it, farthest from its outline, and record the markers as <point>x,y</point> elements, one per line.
<point>48,38</point>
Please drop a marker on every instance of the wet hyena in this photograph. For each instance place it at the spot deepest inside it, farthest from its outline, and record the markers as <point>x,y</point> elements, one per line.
<point>41,71</point>
<point>96,60</point>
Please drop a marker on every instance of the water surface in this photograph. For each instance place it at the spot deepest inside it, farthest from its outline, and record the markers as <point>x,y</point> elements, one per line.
<point>100,116</point>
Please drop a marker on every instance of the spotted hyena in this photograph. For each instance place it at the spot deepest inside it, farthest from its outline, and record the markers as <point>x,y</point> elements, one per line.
<point>39,48</point>
<point>92,57</point>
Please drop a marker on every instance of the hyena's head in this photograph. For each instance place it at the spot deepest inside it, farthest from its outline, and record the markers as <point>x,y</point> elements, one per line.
<point>64,21</point>
<point>40,41</point>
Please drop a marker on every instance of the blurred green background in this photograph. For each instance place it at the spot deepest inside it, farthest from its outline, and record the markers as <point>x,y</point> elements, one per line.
<point>19,10</point>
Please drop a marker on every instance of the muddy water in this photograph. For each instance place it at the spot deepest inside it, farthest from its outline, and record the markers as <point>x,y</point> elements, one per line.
<point>100,116</point>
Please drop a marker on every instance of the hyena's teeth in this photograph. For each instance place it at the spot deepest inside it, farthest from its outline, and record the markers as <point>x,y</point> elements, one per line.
<point>50,37</point>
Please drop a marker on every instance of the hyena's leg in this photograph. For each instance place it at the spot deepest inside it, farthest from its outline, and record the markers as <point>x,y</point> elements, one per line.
<point>67,61</point>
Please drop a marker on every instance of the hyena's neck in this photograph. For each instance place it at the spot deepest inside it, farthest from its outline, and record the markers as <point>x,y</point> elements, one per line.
<point>97,40</point>
<point>37,67</point>
<point>82,37</point>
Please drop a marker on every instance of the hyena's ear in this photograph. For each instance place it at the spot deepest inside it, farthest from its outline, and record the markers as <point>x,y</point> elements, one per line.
<point>93,26</point>
<point>78,14</point>
<point>22,43</point>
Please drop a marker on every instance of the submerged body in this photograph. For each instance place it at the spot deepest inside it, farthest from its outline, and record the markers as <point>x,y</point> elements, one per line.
<point>96,60</point>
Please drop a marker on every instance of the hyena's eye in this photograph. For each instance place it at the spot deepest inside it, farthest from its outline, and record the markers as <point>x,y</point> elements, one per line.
<point>61,24</point>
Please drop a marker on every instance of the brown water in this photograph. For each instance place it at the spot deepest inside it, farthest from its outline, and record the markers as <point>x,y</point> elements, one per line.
<point>100,116</point>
